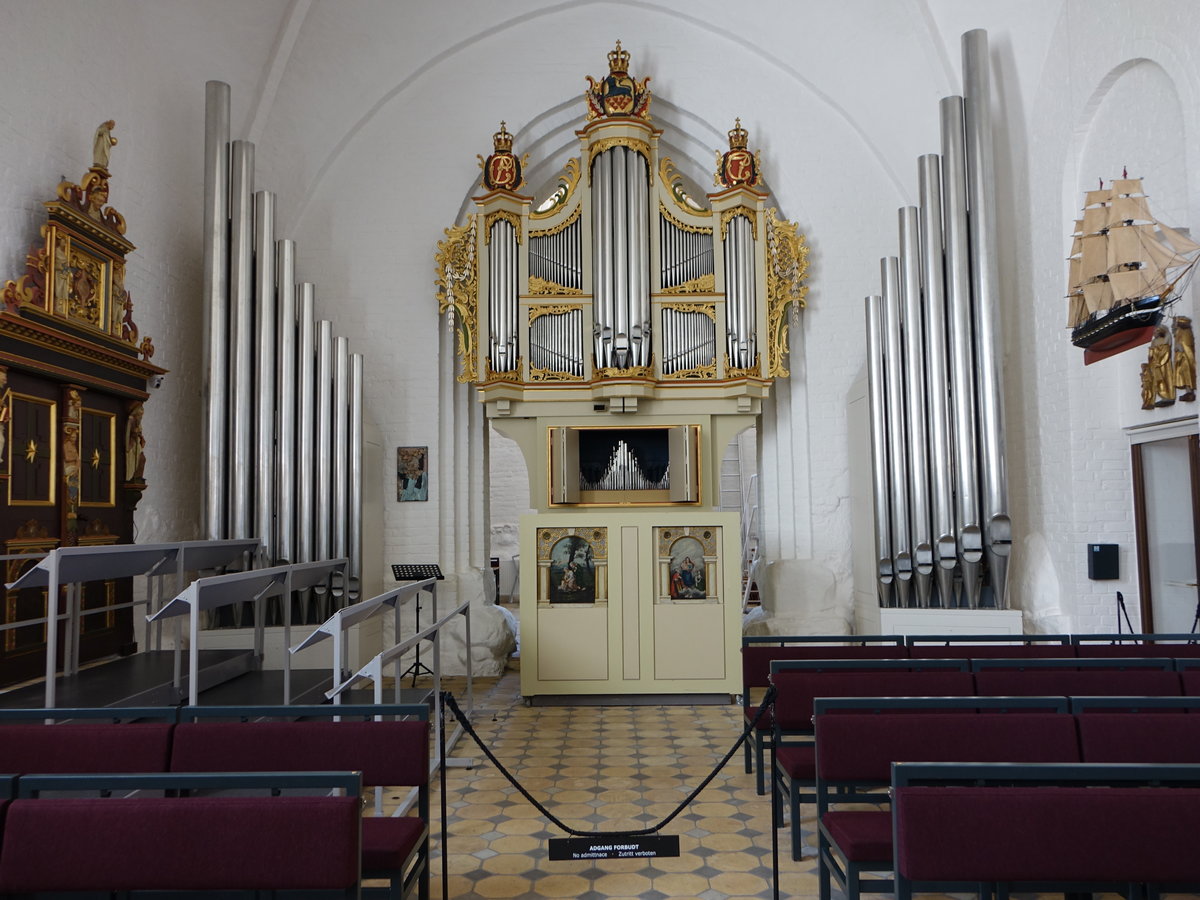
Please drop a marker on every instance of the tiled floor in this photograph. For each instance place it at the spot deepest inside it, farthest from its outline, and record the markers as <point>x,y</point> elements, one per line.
<point>607,768</point>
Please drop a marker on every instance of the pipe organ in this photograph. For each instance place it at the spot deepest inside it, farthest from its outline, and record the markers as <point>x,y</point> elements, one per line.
<point>622,331</point>
<point>942,529</point>
<point>283,421</point>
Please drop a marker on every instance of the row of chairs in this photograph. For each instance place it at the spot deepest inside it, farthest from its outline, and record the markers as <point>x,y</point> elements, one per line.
<point>387,746</point>
<point>758,652</point>
<point>858,741</point>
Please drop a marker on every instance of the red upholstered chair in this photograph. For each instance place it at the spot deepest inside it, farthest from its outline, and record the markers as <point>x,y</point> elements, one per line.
<point>388,754</point>
<point>795,767</point>
<point>855,753</point>
<point>759,651</point>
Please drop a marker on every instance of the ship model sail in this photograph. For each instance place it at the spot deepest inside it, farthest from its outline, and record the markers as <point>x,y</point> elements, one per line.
<point>1126,267</point>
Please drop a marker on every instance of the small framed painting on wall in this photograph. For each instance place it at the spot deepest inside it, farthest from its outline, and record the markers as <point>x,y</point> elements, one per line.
<point>412,473</point>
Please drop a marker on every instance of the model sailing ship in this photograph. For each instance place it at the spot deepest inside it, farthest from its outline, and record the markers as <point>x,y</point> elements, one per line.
<point>1126,268</point>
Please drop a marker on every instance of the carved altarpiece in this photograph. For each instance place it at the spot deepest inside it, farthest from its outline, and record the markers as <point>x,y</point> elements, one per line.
<point>73,375</point>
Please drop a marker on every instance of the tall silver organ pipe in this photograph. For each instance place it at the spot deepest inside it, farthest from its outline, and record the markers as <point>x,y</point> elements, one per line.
<point>878,402</point>
<point>914,397</point>
<point>285,447</point>
<point>265,363</point>
<point>621,258</point>
<point>324,441</point>
<point>216,298</point>
<point>740,305</point>
<point>355,517</point>
<point>985,284</point>
<point>502,296</point>
<point>962,351</point>
<point>937,380</point>
<point>897,432</point>
<point>341,445</point>
<point>241,387</point>
<point>306,418</point>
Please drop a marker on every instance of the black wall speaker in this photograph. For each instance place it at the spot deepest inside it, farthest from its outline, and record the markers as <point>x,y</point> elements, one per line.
<point>1103,562</point>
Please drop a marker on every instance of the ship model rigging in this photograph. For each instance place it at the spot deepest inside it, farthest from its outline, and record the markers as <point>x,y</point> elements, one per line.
<point>1126,268</point>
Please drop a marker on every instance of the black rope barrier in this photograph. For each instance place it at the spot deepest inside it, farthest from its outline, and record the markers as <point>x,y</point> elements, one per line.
<point>448,700</point>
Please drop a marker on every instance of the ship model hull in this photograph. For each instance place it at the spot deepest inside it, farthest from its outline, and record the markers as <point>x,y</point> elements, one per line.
<point>1118,329</point>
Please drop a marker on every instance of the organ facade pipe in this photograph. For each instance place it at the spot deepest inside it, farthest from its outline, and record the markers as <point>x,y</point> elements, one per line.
<point>265,362</point>
<point>306,418</point>
<point>897,432</point>
<point>985,284</point>
<point>962,351</point>
<point>323,440</point>
<point>355,517</point>
<point>285,449</point>
<point>216,301</point>
<point>241,392</point>
<point>340,473</point>
<point>877,390</point>
<point>937,381</point>
<point>912,316</point>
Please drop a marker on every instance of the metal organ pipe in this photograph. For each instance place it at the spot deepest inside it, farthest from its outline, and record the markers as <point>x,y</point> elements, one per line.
<point>639,258</point>
<point>879,456</point>
<point>323,440</point>
<point>341,445</point>
<point>897,433</point>
<point>620,247</point>
<point>601,242</point>
<point>285,454</point>
<point>918,438</point>
<point>985,284</point>
<point>962,350</point>
<point>941,470</point>
<point>306,428</point>
<point>241,263</point>
<point>264,407</point>
<point>216,298</point>
<point>354,519</point>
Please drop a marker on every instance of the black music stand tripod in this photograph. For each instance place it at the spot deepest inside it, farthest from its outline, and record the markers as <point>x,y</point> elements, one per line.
<point>417,572</point>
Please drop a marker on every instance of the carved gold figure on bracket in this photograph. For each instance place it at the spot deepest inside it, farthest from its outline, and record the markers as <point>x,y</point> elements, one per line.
<point>102,144</point>
<point>1161,376</point>
<point>1185,358</point>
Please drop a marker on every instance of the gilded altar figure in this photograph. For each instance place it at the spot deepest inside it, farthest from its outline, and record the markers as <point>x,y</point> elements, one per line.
<point>102,144</point>
<point>1147,387</point>
<point>5,411</point>
<point>1161,376</point>
<point>135,444</point>
<point>1185,358</point>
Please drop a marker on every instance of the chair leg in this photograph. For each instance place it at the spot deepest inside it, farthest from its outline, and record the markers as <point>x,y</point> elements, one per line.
<point>746,750</point>
<point>759,755</point>
<point>824,886</point>
<point>794,808</point>
<point>852,886</point>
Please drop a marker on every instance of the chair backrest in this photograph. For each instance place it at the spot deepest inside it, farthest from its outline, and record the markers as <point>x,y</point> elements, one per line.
<point>798,688</point>
<point>1142,737</point>
<point>861,748</point>
<point>757,658</point>
<point>1068,682</point>
<point>387,753</point>
<point>77,748</point>
<point>991,651</point>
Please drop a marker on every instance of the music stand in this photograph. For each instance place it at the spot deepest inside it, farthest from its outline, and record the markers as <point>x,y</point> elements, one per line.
<point>417,572</point>
<point>1122,611</point>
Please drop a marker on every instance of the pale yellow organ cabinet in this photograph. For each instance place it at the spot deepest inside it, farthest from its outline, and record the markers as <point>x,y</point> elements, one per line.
<point>622,331</point>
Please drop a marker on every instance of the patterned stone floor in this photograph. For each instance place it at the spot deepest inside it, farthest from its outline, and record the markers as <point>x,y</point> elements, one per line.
<point>607,768</point>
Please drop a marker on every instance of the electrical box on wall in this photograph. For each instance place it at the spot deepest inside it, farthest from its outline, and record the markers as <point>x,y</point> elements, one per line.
<point>1103,562</point>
